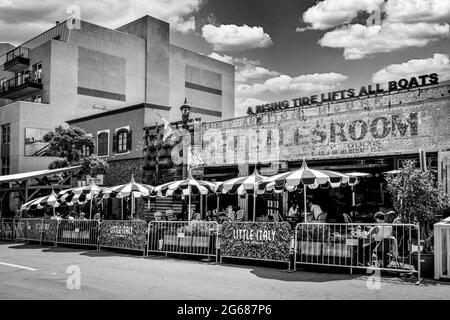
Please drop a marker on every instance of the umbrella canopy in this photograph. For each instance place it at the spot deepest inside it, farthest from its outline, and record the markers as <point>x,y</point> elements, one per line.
<point>91,189</point>
<point>47,201</point>
<point>305,177</point>
<point>240,185</point>
<point>132,188</point>
<point>187,187</point>
<point>289,181</point>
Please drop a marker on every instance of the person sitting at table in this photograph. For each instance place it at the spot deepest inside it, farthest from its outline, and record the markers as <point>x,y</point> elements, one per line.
<point>314,209</point>
<point>293,211</point>
<point>196,217</point>
<point>231,214</point>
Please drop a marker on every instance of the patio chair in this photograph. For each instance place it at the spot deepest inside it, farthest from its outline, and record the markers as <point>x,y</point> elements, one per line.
<point>322,217</point>
<point>347,218</point>
<point>170,215</point>
<point>240,215</point>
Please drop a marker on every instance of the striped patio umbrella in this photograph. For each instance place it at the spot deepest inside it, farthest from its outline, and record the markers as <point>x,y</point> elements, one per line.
<point>188,187</point>
<point>42,202</point>
<point>311,178</point>
<point>242,185</point>
<point>131,189</point>
<point>80,195</point>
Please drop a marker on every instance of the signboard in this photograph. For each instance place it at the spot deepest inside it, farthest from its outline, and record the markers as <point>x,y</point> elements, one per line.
<point>123,234</point>
<point>35,146</point>
<point>98,180</point>
<point>262,240</point>
<point>364,91</point>
<point>377,126</point>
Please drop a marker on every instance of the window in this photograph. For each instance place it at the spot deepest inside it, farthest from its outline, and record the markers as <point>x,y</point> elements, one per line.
<point>102,144</point>
<point>122,141</point>
<point>6,133</point>
<point>37,70</point>
<point>5,166</point>
<point>85,151</point>
<point>37,99</point>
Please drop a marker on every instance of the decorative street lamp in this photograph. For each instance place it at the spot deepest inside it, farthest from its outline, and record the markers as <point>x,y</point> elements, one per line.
<point>185,111</point>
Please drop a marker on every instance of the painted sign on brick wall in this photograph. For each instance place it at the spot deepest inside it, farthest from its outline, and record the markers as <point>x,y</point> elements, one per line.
<point>389,124</point>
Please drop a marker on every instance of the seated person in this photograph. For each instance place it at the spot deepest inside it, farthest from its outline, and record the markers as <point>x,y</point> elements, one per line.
<point>293,211</point>
<point>314,209</point>
<point>196,217</point>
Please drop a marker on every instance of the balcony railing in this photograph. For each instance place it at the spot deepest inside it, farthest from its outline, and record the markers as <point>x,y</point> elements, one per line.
<point>17,60</point>
<point>21,85</point>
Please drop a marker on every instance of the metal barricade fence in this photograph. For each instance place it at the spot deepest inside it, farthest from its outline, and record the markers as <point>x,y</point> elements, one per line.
<point>7,229</point>
<point>49,231</point>
<point>78,232</point>
<point>20,229</point>
<point>183,237</point>
<point>390,247</point>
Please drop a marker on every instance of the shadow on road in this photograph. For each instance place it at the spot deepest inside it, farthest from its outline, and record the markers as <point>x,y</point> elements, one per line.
<point>108,253</point>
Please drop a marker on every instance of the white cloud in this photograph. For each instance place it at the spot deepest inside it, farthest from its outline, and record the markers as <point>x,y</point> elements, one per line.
<point>220,57</point>
<point>439,64</point>
<point>21,20</point>
<point>284,84</point>
<point>332,13</point>
<point>246,69</point>
<point>418,11</point>
<point>360,41</point>
<point>234,38</point>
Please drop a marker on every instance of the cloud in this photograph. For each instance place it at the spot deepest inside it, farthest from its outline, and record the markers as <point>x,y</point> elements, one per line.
<point>412,11</point>
<point>439,64</point>
<point>235,38</point>
<point>246,70</point>
<point>359,41</point>
<point>21,20</point>
<point>284,84</point>
<point>332,13</point>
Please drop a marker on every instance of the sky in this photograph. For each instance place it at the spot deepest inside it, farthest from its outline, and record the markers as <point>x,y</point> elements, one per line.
<point>282,49</point>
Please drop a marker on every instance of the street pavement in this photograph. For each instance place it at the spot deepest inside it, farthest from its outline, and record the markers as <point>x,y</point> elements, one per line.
<point>35,272</point>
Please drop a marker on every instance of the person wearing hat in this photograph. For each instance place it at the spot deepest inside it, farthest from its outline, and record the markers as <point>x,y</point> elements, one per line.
<point>82,216</point>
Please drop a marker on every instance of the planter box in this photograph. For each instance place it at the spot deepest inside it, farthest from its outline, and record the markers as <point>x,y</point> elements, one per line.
<point>170,240</point>
<point>426,266</point>
<point>310,248</point>
<point>337,250</point>
<point>186,241</point>
<point>200,241</point>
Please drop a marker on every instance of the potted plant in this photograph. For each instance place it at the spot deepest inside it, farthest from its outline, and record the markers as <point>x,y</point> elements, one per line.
<point>417,199</point>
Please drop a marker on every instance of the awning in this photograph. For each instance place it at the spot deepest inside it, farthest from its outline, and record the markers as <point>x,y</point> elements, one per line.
<point>34,174</point>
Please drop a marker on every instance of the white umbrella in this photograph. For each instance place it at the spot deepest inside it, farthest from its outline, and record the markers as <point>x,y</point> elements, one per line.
<point>187,187</point>
<point>131,189</point>
<point>242,185</point>
<point>304,176</point>
<point>74,194</point>
<point>42,202</point>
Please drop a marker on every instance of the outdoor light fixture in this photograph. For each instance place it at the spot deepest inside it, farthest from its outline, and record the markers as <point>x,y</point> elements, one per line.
<point>185,108</point>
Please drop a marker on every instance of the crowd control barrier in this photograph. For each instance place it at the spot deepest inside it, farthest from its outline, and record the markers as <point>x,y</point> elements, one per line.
<point>7,229</point>
<point>78,232</point>
<point>129,235</point>
<point>183,237</point>
<point>266,241</point>
<point>390,247</point>
<point>442,251</point>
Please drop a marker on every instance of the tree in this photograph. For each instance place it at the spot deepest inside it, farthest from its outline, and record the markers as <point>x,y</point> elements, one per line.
<point>71,145</point>
<point>416,197</point>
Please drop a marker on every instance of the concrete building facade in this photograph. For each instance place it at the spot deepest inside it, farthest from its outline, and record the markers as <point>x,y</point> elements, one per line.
<point>69,73</point>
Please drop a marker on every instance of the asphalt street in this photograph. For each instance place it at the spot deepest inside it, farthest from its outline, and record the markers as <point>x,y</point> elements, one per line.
<point>34,272</point>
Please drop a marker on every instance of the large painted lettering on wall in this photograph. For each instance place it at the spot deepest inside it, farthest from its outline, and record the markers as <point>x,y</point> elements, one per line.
<point>366,127</point>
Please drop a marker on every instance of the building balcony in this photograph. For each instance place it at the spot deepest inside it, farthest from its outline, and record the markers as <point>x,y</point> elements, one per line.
<point>17,60</point>
<point>21,86</point>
